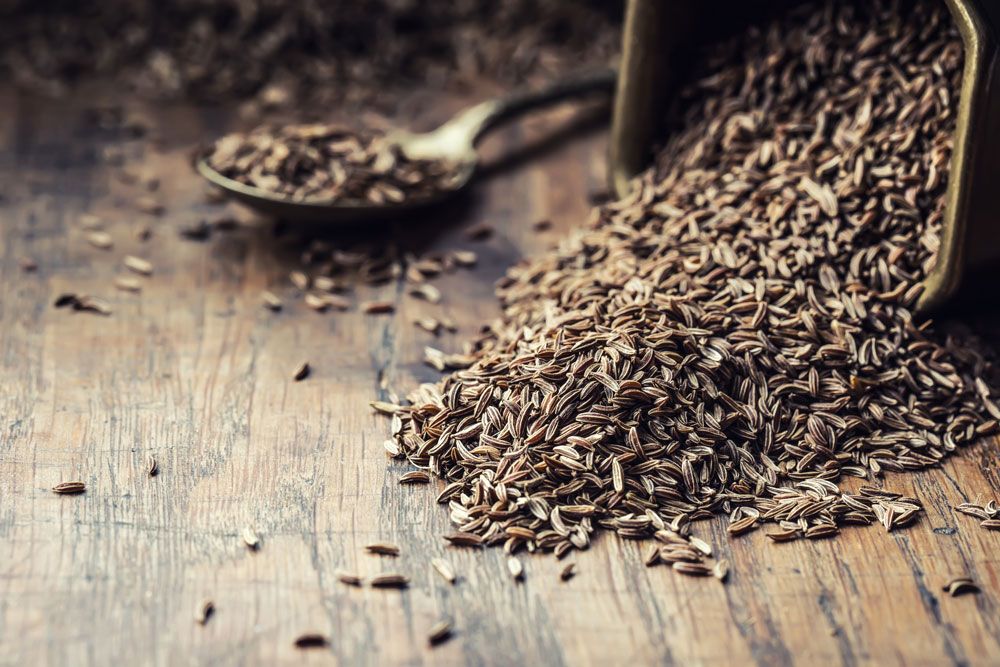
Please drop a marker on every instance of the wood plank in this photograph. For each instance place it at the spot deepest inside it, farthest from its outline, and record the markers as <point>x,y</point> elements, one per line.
<point>193,371</point>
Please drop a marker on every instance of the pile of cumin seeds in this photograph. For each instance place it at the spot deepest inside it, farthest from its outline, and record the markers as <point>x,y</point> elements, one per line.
<point>331,163</point>
<point>738,335</point>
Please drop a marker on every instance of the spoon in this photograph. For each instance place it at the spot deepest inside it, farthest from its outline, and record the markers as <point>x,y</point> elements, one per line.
<point>453,142</point>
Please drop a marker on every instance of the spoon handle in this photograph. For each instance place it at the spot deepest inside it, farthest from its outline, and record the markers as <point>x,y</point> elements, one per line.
<point>477,120</point>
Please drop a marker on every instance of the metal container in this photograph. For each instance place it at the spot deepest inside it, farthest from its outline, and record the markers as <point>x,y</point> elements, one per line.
<point>661,36</point>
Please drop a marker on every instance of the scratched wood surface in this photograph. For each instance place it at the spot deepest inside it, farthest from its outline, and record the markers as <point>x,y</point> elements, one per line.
<point>195,372</point>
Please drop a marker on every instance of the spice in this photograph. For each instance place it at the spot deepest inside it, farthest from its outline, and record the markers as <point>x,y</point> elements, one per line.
<point>69,488</point>
<point>331,163</point>
<point>739,332</point>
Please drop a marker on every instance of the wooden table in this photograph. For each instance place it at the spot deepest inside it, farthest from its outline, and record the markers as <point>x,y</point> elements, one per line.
<point>194,372</point>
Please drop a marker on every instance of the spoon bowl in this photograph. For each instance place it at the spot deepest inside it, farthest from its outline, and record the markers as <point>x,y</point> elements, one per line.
<point>332,211</point>
<point>454,143</point>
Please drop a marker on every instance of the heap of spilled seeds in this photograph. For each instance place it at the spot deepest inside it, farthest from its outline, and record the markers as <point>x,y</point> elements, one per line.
<point>739,334</point>
<point>329,162</point>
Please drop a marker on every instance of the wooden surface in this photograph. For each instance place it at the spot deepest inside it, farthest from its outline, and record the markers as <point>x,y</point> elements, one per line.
<point>195,372</point>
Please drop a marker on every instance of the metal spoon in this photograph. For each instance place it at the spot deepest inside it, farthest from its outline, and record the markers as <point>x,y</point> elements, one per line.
<point>455,142</point>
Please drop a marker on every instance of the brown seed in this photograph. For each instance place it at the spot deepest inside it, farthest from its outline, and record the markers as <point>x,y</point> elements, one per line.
<point>299,279</point>
<point>128,284</point>
<point>377,307</point>
<point>64,300</point>
<point>990,524</point>
<point>721,570</point>
<point>383,549</point>
<point>317,302</point>
<point>515,568</point>
<point>439,632</point>
<point>479,232</point>
<point>568,572</point>
<point>390,580</point>
<point>542,225</point>
<point>203,612</point>
<point>198,231</point>
<point>311,640</point>
<point>100,240</point>
<point>250,538</point>
<point>348,578</point>
<point>427,292</point>
<point>150,205</point>
<point>271,301</point>
<point>138,265</point>
<point>302,371</point>
<point>428,324</point>
<point>152,466</point>
<point>466,258</point>
<point>91,221</point>
<point>415,477</point>
<point>959,586</point>
<point>445,569</point>
<point>69,488</point>
<point>93,304</point>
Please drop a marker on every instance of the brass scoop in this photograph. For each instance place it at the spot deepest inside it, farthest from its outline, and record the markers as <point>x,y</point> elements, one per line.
<point>454,142</point>
<point>659,33</point>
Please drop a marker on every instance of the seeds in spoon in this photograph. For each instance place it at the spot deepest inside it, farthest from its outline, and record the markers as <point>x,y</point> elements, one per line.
<point>331,163</point>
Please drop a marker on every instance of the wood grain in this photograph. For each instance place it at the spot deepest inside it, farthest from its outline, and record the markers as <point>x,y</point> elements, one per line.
<point>194,371</point>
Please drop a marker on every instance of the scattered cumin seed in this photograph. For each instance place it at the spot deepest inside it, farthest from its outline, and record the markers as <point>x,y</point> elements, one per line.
<point>138,265</point>
<point>390,580</point>
<point>150,205</point>
<point>128,284</point>
<point>479,232</point>
<point>302,371</point>
<point>311,640</point>
<point>427,292</point>
<point>568,572</point>
<point>377,307</point>
<point>204,611</point>
<point>959,586</point>
<point>152,466</point>
<point>445,569</point>
<point>101,240</point>
<point>439,632</point>
<point>464,258</point>
<point>299,279</point>
<point>69,488</point>
<point>91,221</point>
<point>271,301</point>
<point>348,578</point>
<point>250,538</point>
<point>382,549</point>
<point>516,568</point>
